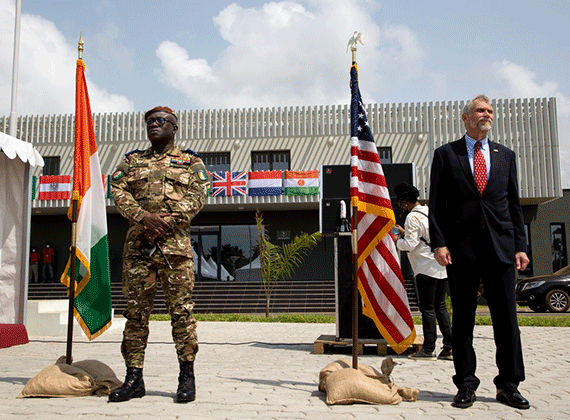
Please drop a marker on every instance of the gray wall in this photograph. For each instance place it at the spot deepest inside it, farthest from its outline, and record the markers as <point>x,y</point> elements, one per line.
<point>540,217</point>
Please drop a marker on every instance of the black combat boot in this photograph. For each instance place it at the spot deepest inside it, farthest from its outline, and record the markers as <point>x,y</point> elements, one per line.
<point>186,383</point>
<point>133,387</point>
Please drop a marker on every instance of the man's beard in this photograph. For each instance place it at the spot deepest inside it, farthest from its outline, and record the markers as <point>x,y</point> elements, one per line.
<point>484,125</point>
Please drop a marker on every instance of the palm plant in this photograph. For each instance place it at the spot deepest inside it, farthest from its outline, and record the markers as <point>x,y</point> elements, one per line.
<point>280,262</point>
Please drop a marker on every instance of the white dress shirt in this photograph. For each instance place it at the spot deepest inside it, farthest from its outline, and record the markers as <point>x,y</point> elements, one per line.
<point>470,143</point>
<point>419,253</point>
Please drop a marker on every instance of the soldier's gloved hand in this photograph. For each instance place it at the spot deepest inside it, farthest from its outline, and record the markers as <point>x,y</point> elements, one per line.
<point>155,224</point>
<point>151,236</point>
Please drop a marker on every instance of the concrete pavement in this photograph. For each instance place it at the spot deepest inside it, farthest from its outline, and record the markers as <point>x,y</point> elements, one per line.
<point>269,371</point>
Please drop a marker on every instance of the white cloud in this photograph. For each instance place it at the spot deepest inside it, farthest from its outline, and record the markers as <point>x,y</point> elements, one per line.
<point>46,80</point>
<point>110,48</point>
<point>521,83</point>
<point>284,53</point>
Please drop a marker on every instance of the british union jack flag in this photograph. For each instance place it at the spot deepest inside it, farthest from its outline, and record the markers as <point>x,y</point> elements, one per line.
<point>228,183</point>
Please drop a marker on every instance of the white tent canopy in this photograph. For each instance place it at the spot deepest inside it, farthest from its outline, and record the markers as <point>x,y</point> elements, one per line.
<point>16,158</point>
<point>223,272</point>
<point>249,272</point>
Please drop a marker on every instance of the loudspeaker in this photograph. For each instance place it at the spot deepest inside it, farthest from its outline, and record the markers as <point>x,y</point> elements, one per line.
<point>336,181</point>
<point>335,186</point>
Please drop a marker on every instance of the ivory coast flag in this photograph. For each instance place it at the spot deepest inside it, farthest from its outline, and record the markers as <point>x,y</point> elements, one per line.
<point>301,182</point>
<point>93,308</point>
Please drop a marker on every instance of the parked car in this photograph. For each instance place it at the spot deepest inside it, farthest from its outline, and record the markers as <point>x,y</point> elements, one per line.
<point>550,292</point>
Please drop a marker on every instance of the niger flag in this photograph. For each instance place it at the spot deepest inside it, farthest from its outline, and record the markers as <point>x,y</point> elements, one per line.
<point>93,308</point>
<point>301,182</point>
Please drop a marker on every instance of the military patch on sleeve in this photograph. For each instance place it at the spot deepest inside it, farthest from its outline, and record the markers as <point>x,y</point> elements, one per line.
<point>120,172</point>
<point>118,175</point>
<point>201,173</point>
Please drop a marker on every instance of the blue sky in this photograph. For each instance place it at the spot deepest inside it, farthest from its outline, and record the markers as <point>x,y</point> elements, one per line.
<point>219,54</point>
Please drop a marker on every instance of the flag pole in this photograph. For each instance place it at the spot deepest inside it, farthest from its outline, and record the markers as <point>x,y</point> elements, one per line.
<point>354,287</point>
<point>72,267</point>
<point>73,249</point>
<point>352,43</point>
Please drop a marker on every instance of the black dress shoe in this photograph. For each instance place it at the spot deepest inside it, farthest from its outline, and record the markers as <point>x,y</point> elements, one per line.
<point>464,398</point>
<point>512,398</point>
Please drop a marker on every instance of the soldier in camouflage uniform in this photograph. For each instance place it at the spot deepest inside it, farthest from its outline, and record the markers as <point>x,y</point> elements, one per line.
<point>159,190</point>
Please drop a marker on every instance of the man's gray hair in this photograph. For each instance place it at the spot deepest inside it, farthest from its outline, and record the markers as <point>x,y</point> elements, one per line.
<point>469,104</point>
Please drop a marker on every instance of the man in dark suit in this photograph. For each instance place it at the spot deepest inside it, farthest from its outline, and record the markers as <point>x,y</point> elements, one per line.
<point>477,232</point>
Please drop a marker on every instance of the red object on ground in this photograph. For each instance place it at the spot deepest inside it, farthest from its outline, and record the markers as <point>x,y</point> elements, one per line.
<point>13,335</point>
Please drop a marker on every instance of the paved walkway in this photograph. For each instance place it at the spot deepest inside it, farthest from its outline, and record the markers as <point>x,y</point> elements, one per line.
<point>269,371</point>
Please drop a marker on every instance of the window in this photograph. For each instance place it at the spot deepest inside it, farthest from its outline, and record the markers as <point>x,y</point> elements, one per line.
<point>385,154</point>
<point>216,161</point>
<point>270,161</point>
<point>51,165</point>
<point>226,253</point>
<point>558,242</point>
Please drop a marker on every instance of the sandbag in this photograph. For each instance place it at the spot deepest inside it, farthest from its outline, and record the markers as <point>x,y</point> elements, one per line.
<point>344,385</point>
<point>79,379</point>
<point>349,386</point>
<point>59,380</point>
<point>103,376</point>
<point>386,368</point>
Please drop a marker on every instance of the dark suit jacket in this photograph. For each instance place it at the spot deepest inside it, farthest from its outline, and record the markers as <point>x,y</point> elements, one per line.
<point>457,210</point>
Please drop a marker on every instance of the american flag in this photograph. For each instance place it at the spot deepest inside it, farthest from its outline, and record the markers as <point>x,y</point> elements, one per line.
<point>380,280</point>
<point>228,183</point>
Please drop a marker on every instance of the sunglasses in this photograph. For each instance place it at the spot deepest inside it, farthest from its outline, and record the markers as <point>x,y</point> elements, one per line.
<point>160,121</point>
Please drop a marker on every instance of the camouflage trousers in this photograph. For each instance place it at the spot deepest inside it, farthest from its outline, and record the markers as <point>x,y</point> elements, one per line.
<point>140,280</point>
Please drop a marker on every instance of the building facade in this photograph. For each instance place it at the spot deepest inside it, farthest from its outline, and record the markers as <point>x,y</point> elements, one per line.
<point>298,138</point>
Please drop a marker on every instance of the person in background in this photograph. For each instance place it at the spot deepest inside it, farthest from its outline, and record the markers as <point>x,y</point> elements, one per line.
<point>431,278</point>
<point>48,259</point>
<point>35,258</point>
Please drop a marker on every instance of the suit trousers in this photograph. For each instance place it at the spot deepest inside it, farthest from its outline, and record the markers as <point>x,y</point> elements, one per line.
<point>498,281</point>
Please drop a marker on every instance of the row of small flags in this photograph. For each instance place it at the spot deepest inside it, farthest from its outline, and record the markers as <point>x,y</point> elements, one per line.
<point>223,184</point>
<point>264,183</point>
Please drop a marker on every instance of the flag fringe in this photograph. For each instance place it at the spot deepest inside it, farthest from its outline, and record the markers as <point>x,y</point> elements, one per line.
<point>65,279</point>
<point>85,329</point>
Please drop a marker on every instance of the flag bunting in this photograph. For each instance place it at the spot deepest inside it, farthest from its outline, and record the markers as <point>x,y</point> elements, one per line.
<point>263,183</point>
<point>55,187</point>
<point>228,183</point>
<point>301,182</point>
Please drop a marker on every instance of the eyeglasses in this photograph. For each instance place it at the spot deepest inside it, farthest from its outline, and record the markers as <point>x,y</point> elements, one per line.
<point>160,121</point>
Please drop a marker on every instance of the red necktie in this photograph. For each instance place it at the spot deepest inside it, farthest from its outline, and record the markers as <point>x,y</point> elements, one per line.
<point>480,167</point>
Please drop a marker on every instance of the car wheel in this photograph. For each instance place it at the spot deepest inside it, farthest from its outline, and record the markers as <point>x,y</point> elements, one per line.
<point>557,300</point>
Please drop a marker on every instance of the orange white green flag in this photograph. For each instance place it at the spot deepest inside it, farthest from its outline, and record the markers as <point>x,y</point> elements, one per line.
<point>301,182</point>
<point>92,305</point>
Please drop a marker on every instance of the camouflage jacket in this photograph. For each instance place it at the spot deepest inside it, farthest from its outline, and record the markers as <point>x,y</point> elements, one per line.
<point>174,182</point>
